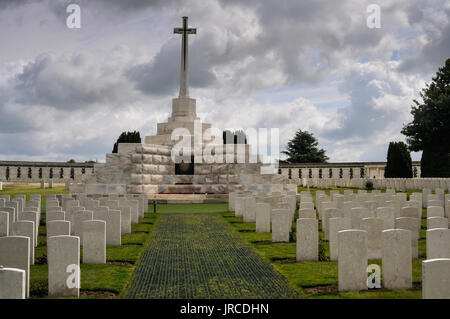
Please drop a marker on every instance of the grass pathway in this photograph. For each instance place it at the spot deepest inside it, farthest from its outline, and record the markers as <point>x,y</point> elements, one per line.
<point>197,255</point>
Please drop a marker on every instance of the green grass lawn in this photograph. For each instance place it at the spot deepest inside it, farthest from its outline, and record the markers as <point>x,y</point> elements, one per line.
<point>190,208</point>
<point>97,281</point>
<point>319,279</point>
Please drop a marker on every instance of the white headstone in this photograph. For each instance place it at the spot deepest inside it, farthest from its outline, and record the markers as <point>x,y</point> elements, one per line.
<point>125,215</point>
<point>436,278</point>
<point>437,222</point>
<point>352,260</point>
<point>63,266</point>
<point>32,217</point>
<point>4,224</point>
<point>396,259</point>
<point>307,213</point>
<point>15,253</point>
<point>250,210</point>
<point>51,216</point>
<point>435,211</point>
<point>12,283</point>
<point>94,242</point>
<point>263,213</point>
<point>25,229</point>
<point>78,219</point>
<point>280,225</point>
<point>307,239</point>
<point>373,227</point>
<point>114,228</point>
<point>231,199</point>
<point>58,228</point>
<point>357,215</point>
<point>387,215</point>
<point>438,243</point>
<point>337,224</point>
<point>413,225</point>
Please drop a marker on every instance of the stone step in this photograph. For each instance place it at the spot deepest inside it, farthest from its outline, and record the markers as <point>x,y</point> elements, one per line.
<point>187,199</point>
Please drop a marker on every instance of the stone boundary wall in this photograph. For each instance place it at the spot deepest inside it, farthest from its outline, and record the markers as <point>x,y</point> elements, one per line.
<point>349,170</point>
<point>35,172</point>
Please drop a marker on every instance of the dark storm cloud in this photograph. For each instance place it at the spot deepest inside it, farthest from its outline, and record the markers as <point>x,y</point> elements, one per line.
<point>437,49</point>
<point>68,82</point>
<point>161,76</point>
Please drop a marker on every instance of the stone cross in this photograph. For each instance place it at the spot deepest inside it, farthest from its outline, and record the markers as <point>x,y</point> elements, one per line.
<point>185,31</point>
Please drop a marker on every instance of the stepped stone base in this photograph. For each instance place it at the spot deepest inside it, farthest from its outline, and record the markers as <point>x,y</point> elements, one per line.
<point>150,169</point>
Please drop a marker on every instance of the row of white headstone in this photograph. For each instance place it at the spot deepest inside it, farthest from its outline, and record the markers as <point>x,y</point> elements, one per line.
<point>399,184</point>
<point>94,225</point>
<point>358,227</point>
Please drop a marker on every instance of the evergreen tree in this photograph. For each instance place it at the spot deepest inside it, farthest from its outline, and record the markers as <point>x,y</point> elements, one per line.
<point>127,137</point>
<point>303,148</point>
<point>430,129</point>
<point>399,162</point>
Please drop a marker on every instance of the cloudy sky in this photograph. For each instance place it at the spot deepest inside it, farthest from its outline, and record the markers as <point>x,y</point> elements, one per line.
<point>287,64</point>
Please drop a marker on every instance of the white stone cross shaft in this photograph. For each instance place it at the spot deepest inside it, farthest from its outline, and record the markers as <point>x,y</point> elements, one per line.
<point>185,31</point>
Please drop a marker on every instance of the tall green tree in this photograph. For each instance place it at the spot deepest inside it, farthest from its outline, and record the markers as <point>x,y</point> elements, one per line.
<point>127,137</point>
<point>303,148</point>
<point>399,162</point>
<point>430,129</point>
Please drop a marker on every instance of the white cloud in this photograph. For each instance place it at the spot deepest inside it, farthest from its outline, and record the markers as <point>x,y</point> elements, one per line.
<point>310,65</point>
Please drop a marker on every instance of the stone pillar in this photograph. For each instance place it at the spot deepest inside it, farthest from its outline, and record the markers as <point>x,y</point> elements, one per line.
<point>396,255</point>
<point>12,283</point>
<point>307,239</point>
<point>436,278</point>
<point>352,260</point>
<point>63,266</point>
<point>50,183</point>
<point>42,184</point>
<point>1,186</point>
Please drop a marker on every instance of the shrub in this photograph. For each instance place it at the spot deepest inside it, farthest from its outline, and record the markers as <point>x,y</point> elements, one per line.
<point>369,185</point>
<point>322,252</point>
